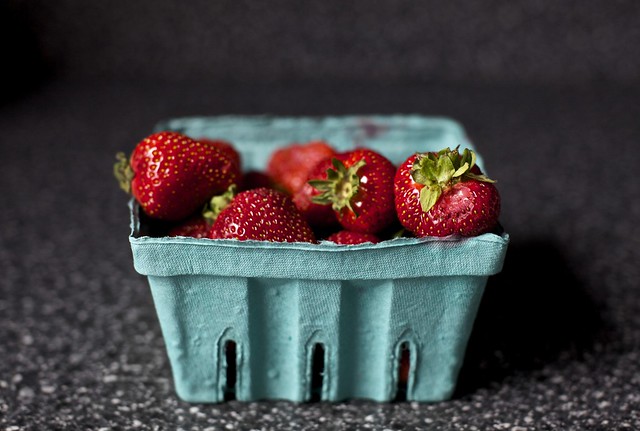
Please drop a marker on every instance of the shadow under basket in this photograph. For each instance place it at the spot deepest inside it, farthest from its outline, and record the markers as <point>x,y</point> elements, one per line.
<point>251,320</point>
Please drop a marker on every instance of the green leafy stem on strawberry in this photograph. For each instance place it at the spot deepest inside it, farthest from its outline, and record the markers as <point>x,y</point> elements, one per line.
<point>340,187</point>
<point>437,171</point>
<point>216,204</point>
<point>123,172</point>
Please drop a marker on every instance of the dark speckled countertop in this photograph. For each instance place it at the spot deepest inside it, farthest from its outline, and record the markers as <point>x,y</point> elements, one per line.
<point>556,341</point>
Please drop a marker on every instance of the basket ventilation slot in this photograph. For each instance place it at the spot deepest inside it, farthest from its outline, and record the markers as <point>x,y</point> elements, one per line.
<point>231,370</point>
<point>317,372</point>
<point>404,368</point>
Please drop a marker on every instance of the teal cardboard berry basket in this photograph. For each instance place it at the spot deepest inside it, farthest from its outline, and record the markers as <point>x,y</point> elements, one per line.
<point>252,320</point>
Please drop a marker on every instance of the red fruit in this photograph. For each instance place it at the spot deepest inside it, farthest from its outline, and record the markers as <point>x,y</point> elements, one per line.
<point>445,193</point>
<point>262,214</point>
<point>172,175</point>
<point>359,186</point>
<point>348,237</point>
<point>226,147</point>
<point>199,225</point>
<point>196,227</point>
<point>289,166</point>
<point>255,179</point>
<point>319,216</point>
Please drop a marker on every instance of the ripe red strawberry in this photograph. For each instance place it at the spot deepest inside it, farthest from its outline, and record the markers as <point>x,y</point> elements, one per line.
<point>172,176</point>
<point>319,216</point>
<point>195,226</point>
<point>289,166</point>
<point>262,214</point>
<point>348,237</point>
<point>445,193</point>
<point>226,147</point>
<point>359,186</point>
<point>198,225</point>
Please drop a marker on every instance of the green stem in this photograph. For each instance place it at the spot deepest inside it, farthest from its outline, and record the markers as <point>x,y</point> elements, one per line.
<point>123,172</point>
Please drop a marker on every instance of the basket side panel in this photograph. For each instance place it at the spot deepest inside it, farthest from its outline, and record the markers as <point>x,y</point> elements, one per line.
<point>196,314</point>
<point>438,313</point>
<point>277,359</point>
<point>365,308</point>
<point>276,323</point>
<point>319,321</point>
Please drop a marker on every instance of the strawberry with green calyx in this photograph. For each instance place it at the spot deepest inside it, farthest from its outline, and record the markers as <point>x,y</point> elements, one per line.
<point>198,225</point>
<point>172,175</point>
<point>445,193</point>
<point>358,185</point>
<point>289,166</point>
<point>262,214</point>
<point>319,216</point>
<point>216,204</point>
<point>347,237</point>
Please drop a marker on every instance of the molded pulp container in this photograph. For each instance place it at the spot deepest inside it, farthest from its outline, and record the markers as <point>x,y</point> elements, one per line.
<point>278,303</point>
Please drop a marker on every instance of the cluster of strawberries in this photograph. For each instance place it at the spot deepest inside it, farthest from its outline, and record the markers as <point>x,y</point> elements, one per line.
<point>308,192</point>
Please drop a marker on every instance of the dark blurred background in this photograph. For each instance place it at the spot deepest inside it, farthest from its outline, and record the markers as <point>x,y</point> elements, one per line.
<point>533,42</point>
<point>549,92</point>
<point>488,42</point>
